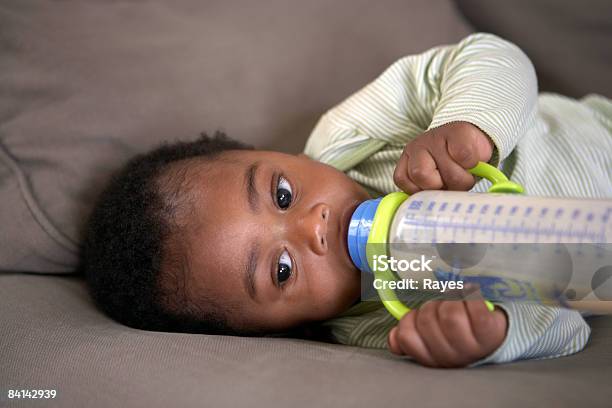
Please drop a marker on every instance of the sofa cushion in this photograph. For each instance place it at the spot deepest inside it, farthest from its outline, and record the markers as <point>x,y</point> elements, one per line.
<point>84,85</point>
<point>58,340</point>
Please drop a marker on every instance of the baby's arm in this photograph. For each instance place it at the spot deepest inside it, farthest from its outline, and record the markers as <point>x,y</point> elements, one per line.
<point>537,332</point>
<point>455,334</point>
<point>450,333</point>
<point>483,80</point>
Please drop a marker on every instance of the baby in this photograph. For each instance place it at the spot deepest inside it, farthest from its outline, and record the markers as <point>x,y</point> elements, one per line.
<point>212,236</point>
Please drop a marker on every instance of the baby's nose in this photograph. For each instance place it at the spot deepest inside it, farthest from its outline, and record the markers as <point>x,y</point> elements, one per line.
<point>316,227</point>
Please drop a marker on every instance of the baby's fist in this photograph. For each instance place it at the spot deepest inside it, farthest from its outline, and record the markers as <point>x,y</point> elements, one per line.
<point>449,333</point>
<point>439,158</point>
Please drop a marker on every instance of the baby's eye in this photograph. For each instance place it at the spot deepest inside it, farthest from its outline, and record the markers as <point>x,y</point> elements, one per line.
<point>284,267</point>
<point>283,193</point>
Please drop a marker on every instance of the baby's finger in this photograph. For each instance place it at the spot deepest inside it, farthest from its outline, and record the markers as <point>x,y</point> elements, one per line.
<point>428,325</point>
<point>456,326</point>
<point>462,148</point>
<point>410,342</point>
<point>453,175</point>
<point>400,175</point>
<point>393,342</point>
<point>489,328</point>
<point>422,170</point>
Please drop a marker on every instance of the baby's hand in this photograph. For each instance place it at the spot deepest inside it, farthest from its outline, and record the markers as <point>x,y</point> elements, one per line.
<point>438,158</point>
<point>449,333</point>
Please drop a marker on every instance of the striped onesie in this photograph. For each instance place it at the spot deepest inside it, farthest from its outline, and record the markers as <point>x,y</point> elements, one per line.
<point>550,144</point>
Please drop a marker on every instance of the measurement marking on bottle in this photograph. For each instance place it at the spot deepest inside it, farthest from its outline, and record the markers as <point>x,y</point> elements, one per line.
<point>517,230</point>
<point>415,205</point>
<point>474,230</point>
<point>538,232</point>
<point>584,232</point>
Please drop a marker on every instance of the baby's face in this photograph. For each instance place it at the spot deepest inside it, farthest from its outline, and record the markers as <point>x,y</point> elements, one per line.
<point>268,239</point>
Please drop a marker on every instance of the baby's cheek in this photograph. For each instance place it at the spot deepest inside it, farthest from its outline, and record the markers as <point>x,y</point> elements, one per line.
<point>337,291</point>
<point>330,285</point>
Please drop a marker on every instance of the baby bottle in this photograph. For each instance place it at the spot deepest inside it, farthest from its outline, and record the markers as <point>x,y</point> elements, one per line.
<point>511,247</point>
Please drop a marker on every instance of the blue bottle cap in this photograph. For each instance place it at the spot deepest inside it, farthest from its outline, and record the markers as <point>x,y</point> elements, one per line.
<point>358,231</point>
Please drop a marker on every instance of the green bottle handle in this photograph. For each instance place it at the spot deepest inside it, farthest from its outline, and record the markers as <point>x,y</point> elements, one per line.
<point>379,231</point>
<point>500,183</point>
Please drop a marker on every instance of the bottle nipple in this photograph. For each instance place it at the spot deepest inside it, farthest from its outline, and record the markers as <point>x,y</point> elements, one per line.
<point>358,231</point>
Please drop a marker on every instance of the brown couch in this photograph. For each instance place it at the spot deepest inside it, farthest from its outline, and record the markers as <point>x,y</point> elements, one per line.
<point>86,84</point>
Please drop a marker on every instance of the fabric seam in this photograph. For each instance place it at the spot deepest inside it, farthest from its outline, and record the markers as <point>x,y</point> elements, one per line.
<point>37,213</point>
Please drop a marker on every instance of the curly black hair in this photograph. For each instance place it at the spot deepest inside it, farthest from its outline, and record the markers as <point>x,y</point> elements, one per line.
<point>131,272</point>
